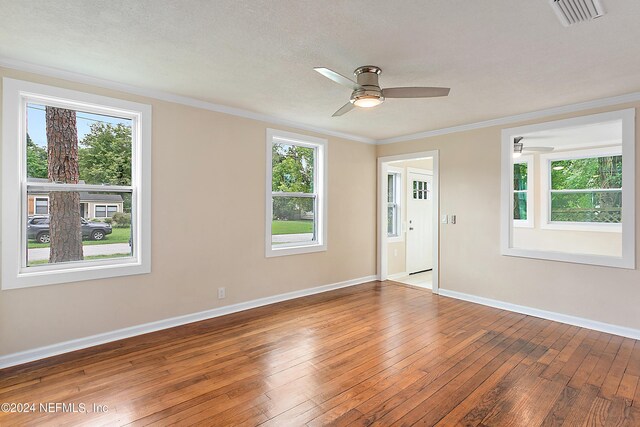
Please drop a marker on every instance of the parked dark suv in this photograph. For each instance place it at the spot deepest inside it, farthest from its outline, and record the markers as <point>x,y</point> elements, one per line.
<point>38,229</point>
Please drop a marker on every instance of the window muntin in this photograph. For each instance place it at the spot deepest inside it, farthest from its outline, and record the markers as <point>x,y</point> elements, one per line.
<point>25,166</point>
<point>586,190</point>
<point>394,180</point>
<point>295,198</point>
<point>421,190</point>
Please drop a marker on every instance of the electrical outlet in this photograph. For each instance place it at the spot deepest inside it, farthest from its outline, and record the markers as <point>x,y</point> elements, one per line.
<point>221,293</point>
<point>445,219</point>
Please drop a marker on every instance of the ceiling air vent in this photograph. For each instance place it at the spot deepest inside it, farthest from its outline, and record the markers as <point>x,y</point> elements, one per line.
<point>573,11</point>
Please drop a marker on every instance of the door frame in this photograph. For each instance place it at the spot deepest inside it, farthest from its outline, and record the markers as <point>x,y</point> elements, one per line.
<point>382,213</point>
<point>408,192</point>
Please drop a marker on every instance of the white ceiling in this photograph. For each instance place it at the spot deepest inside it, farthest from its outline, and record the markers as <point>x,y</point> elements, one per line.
<point>500,57</point>
<point>581,136</point>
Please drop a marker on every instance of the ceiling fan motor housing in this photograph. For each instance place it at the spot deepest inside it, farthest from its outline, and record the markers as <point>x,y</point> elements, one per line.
<point>367,77</point>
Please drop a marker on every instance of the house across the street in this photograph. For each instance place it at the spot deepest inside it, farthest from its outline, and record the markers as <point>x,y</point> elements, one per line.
<point>92,205</point>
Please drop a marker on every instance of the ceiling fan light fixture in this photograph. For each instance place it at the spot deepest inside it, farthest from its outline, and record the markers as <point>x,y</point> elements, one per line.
<point>517,146</point>
<point>368,101</point>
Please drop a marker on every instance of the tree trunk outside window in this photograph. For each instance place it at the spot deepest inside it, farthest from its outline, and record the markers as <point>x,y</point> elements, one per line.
<point>64,207</point>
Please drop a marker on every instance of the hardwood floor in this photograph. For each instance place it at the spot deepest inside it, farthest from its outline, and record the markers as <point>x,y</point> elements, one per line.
<point>376,354</point>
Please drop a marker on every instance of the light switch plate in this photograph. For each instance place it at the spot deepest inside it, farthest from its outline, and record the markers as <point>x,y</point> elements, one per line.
<point>445,219</point>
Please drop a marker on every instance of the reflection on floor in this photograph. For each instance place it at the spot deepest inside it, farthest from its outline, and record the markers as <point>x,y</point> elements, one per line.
<point>423,280</point>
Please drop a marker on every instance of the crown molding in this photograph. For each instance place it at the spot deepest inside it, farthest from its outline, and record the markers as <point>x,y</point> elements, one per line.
<point>532,115</point>
<point>170,97</point>
<point>197,103</point>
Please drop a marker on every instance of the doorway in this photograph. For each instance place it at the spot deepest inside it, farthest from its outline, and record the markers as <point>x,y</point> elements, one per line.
<point>408,218</point>
<point>419,247</point>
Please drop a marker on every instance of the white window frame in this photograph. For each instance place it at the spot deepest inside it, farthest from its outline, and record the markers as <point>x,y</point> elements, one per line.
<point>545,199</point>
<point>399,183</point>
<point>320,193</point>
<point>529,222</point>
<point>35,207</point>
<point>106,209</point>
<point>628,258</point>
<point>15,273</point>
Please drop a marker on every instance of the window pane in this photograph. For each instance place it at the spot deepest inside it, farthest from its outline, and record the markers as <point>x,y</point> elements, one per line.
<point>596,206</point>
<point>50,237</point>
<point>390,188</point>
<point>520,206</point>
<point>590,173</point>
<point>103,142</point>
<point>392,220</point>
<point>292,168</point>
<point>520,176</point>
<point>41,207</point>
<point>293,220</point>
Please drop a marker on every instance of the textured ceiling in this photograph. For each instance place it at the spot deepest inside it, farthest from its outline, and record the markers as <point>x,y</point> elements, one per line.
<point>500,57</point>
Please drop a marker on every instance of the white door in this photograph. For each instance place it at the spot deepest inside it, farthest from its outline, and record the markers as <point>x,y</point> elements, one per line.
<point>419,220</point>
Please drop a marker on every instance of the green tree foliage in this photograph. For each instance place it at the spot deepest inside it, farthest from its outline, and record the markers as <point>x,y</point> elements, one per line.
<point>520,184</point>
<point>581,174</point>
<point>105,155</point>
<point>36,160</point>
<point>121,220</point>
<point>292,168</point>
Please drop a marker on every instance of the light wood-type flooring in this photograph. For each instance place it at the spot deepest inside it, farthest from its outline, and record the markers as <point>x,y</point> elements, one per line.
<point>378,354</point>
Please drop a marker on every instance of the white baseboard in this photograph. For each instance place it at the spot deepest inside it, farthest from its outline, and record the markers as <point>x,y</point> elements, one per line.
<point>549,315</point>
<point>80,343</point>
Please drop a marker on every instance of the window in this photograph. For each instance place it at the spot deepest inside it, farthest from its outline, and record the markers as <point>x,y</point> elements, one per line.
<point>585,190</point>
<point>394,192</point>
<point>422,190</point>
<point>296,194</point>
<point>522,192</point>
<point>41,206</point>
<point>100,150</point>
<point>104,211</point>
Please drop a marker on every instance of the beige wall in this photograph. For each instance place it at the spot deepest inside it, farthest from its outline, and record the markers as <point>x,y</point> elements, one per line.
<point>221,243</point>
<point>470,260</point>
<point>396,251</point>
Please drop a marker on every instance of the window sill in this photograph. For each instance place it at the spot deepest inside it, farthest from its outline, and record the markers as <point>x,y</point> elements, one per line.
<point>34,276</point>
<point>577,226</point>
<point>294,250</point>
<point>523,224</point>
<point>395,239</point>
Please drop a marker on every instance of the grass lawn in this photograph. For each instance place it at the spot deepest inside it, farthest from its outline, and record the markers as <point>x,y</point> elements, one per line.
<point>119,235</point>
<point>46,261</point>
<point>291,227</point>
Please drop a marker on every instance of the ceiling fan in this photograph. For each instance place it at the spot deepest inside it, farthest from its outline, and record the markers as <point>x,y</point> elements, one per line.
<point>367,92</point>
<point>519,148</point>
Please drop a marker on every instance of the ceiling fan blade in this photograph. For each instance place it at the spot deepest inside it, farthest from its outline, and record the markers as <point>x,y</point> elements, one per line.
<point>415,92</point>
<point>344,109</point>
<point>338,78</point>
<point>538,149</point>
